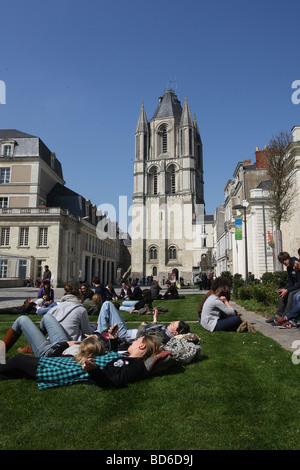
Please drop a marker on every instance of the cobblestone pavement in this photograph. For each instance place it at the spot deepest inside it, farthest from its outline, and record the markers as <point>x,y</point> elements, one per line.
<point>14,297</point>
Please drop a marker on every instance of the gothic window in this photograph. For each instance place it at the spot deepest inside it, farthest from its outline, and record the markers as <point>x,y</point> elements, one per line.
<point>153,181</point>
<point>153,253</point>
<point>154,271</point>
<point>172,253</point>
<point>163,139</point>
<point>171,180</point>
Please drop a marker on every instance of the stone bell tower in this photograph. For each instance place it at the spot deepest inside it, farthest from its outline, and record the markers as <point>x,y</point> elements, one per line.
<point>168,198</point>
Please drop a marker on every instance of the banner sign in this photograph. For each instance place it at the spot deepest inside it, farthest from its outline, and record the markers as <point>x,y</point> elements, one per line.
<point>238,229</point>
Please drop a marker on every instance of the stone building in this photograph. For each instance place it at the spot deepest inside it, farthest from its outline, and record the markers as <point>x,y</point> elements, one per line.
<point>42,222</point>
<point>168,199</point>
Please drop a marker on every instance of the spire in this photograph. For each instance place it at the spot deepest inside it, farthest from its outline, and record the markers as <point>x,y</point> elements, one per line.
<point>142,125</point>
<point>186,117</point>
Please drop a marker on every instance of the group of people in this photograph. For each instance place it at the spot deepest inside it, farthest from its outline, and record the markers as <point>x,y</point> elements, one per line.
<point>66,349</point>
<point>203,280</point>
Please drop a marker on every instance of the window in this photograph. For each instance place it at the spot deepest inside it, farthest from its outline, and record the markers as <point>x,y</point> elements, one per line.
<point>164,141</point>
<point>24,232</point>
<point>4,175</point>
<point>172,253</point>
<point>5,232</point>
<point>153,252</point>
<point>43,236</point>
<point>171,180</point>
<point>3,202</point>
<point>154,271</point>
<point>153,181</point>
<point>3,268</point>
<point>7,150</point>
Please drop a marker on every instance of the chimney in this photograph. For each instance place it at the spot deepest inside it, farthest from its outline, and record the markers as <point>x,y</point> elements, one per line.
<point>247,162</point>
<point>260,158</point>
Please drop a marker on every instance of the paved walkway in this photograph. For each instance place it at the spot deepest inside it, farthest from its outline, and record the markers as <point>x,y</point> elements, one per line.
<point>14,297</point>
<point>284,337</point>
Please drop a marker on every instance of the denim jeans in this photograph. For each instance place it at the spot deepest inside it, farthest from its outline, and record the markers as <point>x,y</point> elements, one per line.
<point>128,305</point>
<point>294,313</point>
<point>228,324</point>
<point>38,342</point>
<point>43,310</point>
<point>109,316</point>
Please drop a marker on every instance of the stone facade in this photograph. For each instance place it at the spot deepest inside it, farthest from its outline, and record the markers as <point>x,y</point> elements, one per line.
<point>168,199</point>
<point>43,222</point>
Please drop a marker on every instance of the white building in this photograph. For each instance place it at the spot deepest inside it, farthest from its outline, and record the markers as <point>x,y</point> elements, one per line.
<point>42,222</point>
<point>168,200</point>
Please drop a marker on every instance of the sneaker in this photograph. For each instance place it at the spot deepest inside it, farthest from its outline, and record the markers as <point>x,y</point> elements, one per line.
<point>288,324</point>
<point>280,320</point>
<point>271,320</point>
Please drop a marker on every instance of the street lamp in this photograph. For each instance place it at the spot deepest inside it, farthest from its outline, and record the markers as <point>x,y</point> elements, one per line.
<point>239,206</point>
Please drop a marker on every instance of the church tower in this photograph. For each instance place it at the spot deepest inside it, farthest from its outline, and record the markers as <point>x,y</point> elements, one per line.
<point>168,199</point>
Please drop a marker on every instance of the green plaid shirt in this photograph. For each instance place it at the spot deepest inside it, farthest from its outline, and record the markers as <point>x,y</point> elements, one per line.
<point>59,371</point>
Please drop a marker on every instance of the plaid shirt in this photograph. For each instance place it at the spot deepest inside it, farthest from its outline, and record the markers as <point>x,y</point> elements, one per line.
<point>58,371</point>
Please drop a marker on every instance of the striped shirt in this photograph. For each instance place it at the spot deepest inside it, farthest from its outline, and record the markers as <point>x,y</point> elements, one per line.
<point>59,371</point>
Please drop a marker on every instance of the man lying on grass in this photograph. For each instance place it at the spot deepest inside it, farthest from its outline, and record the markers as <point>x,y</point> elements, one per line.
<point>109,315</point>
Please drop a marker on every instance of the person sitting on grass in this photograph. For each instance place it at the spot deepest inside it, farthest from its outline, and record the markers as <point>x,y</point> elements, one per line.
<point>171,292</point>
<point>217,314</point>
<point>134,306</point>
<point>219,281</point>
<point>109,315</point>
<point>90,365</point>
<point>93,305</point>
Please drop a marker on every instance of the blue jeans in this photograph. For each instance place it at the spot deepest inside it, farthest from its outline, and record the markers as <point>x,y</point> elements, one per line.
<point>38,342</point>
<point>228,324</point>
<point>43,310</point>
<point>109,316</point>
<point>128,305</point>
<point>294,313</point>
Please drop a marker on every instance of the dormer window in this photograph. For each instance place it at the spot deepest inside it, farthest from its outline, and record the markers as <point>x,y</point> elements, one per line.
<point>7,147</point>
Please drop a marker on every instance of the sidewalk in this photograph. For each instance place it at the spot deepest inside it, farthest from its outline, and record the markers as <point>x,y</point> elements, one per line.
<point>284,337</point>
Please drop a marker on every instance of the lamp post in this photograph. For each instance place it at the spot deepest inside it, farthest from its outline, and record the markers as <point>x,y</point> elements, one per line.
<point>239,206</point>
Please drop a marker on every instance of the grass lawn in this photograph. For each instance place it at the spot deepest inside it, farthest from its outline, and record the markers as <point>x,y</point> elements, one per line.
<point>242,395</point>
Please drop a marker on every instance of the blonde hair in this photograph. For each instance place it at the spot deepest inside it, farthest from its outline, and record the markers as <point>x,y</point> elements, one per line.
<point>97,299</point>
<point>153,346</point>
<point>89,347</point>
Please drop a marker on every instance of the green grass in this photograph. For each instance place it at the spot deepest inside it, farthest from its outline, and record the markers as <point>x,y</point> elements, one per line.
<point>242,395</point>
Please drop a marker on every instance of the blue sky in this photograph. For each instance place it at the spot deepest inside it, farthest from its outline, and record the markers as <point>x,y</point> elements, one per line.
<point>76,73</point>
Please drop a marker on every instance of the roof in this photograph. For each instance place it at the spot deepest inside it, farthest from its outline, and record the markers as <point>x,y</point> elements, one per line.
<point>33,147</point>
<point>169,106</point>
<point>61,196</point>
<point>13,133</point>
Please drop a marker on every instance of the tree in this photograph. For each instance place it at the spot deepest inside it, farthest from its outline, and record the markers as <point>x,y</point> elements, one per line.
<point>282,192</point>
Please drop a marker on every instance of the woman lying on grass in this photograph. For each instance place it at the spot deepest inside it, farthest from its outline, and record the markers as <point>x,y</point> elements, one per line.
<point>90,365</point>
